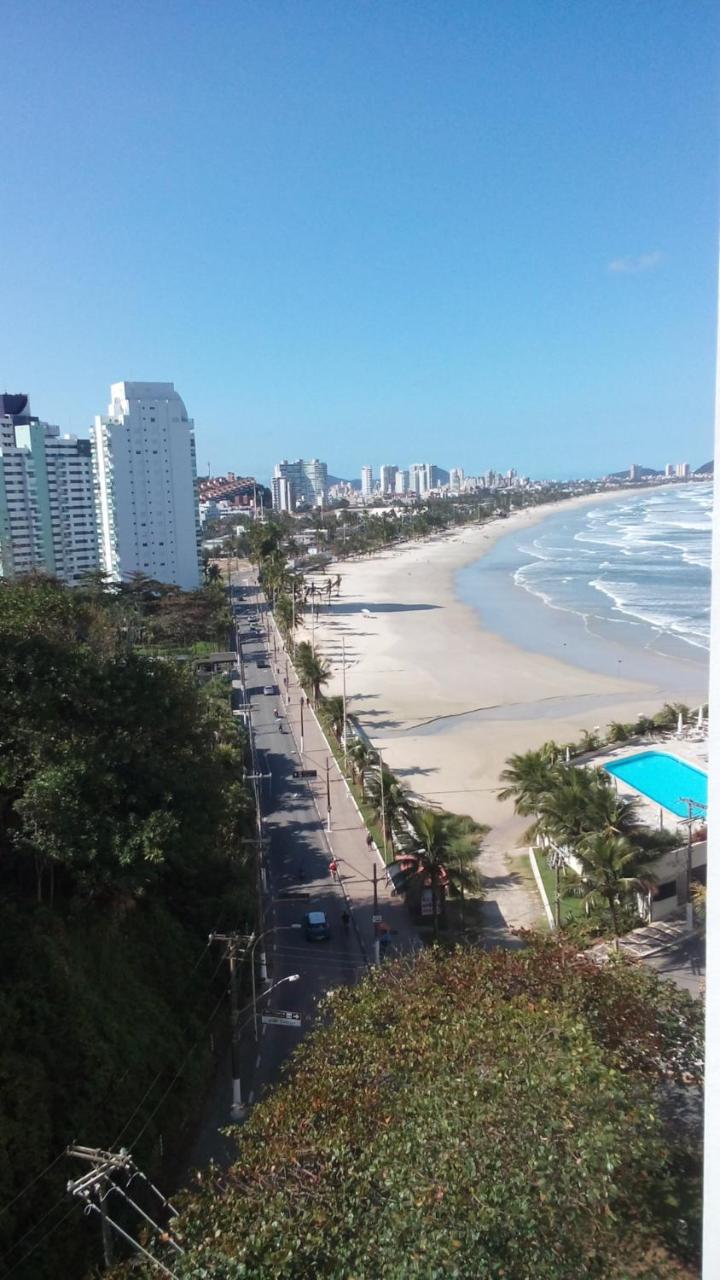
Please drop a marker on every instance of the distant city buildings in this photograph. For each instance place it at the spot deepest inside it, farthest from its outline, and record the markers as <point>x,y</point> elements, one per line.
<point>143,455</point>
<point>366,481</point>
<point>387,479</point>
<point>402,481</point>
<point>47,515</point>
<point>301,481</point>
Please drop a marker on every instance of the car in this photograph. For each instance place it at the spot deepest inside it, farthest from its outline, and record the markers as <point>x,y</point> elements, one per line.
<point>269,688</point>
<point>316,926</point>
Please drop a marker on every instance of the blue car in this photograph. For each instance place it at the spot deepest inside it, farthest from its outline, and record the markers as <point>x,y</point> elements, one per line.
<point>316,925</point>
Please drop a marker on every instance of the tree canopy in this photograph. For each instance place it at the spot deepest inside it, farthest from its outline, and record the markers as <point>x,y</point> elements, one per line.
<point>467,1114</point>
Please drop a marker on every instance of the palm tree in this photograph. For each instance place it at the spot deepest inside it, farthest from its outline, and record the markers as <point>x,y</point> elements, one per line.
<point>442,859</point>
<point>313,672</point>
<point>528,776</point>
<point>335,708</point>
<point>389,801</point>
<point>362,757</point>
<point>612,869</point>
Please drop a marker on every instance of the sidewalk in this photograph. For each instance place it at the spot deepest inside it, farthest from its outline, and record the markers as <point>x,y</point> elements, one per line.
<point>347,837</point>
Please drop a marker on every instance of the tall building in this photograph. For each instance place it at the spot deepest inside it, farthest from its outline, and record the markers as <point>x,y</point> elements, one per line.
<point>682,469</point>
<point>307,482</point>
<point>402,482</point>
<point>387,479</point>
<point>282,494</point>
<point>366,481</point>
<point>669,470</point>
<point>145,477</point>
<point>457,476</point>
<point>47,515</point>
<point>420,477</point>
<point>71,495</point>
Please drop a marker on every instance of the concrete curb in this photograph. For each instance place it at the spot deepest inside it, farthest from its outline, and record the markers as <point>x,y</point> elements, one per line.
<point>541,887</point>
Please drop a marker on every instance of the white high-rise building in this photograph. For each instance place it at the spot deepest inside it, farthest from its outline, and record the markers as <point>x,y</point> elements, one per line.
<point>366,481</point>
<point>387,479</point>
<point>47,511</point>
<point>304,480</point>
<point>682,469</point>
<point>282,494</point>
<point>420,477</point>
<point>145,477</point>
<point>457,476</point>
<point>402,482</point>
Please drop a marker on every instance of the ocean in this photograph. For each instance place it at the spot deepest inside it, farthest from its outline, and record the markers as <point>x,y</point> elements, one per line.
<point>619,586</point>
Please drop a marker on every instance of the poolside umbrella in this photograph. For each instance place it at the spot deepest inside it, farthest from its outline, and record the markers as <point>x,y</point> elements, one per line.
<point>567,755</point>
<point>700,717</point>
<point>680,724</point>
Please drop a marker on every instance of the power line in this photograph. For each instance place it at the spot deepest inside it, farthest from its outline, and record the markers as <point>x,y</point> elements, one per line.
<point>42,1240</point>
<point>31,1184</point>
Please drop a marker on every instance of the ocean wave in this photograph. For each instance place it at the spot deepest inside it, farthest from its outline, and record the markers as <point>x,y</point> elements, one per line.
<point>645,560</point>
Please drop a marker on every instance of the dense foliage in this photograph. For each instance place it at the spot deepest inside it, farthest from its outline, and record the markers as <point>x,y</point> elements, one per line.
<point>122,809</point>
<point>467,1114</point>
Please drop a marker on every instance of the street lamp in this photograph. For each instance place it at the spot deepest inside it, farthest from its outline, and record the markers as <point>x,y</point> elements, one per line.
<point>278,928</point>
<point>238,1108</point>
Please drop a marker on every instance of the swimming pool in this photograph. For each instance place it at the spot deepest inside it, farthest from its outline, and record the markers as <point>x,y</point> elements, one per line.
<point>664,779</point>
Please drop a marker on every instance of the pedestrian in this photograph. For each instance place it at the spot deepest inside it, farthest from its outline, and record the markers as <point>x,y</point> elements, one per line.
<point>333,869</point>
<point>369,840</point>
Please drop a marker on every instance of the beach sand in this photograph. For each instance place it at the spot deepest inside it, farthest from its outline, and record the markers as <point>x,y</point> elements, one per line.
<point>447,701</point>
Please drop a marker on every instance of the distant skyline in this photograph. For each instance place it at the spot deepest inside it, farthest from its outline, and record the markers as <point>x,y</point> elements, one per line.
<point>474,234</point>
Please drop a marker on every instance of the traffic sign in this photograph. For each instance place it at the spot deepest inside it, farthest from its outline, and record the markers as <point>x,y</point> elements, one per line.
<point>282,1018</point>
<point>377,919</point>
<point>304,773</point>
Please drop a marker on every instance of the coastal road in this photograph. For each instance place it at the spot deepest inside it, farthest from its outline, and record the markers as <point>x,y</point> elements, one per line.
<point>296,871</point>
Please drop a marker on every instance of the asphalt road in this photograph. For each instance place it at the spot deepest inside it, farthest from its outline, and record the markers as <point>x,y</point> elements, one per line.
<point>296,879</point>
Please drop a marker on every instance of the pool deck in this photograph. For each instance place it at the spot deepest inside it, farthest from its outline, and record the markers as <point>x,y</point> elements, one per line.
<point>691,748</point>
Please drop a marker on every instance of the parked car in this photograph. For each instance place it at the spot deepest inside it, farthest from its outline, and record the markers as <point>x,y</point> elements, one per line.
<point>316,926</point>
<point>269,688</point>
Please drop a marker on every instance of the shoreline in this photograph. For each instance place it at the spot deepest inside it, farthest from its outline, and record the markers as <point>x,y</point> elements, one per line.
<point>447,700</point>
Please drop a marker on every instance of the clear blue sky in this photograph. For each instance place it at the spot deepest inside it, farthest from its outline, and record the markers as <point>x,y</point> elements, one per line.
<point>475,232</point>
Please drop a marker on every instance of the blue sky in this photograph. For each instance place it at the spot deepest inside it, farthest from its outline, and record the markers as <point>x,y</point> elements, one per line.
<point>478,233</point>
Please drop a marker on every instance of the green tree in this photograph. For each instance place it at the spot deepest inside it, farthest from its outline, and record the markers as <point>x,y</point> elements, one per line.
<point>527,776</point>
<point>537,1150</point>
<point>444,859</point>
<point>313,672</point>
<point>390,800</point>
<point>362,758</point>
<point>612,870</point>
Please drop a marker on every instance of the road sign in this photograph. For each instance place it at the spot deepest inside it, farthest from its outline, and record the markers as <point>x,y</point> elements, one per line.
<point>377,919</point>
<point>304,773</point>
<point>281,1018</point>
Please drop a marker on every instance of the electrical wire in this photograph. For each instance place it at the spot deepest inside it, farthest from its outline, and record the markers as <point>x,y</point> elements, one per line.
<point>46,1236</point>
<point>31,1184</point>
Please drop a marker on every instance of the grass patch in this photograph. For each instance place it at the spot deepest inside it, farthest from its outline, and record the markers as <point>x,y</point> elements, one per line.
<point>571,907</point>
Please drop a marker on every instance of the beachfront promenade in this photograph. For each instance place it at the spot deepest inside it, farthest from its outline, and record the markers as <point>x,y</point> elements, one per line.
<point>360,867</point>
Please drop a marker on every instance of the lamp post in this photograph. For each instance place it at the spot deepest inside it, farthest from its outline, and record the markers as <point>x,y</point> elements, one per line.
<point>279,928</point>
<point>689,821</point>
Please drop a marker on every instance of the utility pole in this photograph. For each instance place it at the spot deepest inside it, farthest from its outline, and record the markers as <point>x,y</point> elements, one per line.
<point>376,923</point>
<point>327,791</point>
<point>95,1187</point>
<point>691,819</point>
<point>236,944</point>
<point>382,807</point>
<point>344,696</point>
<point>302,727</point>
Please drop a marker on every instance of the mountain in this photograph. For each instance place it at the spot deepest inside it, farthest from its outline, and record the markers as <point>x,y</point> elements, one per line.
<point>641,473</point>
<point>707,469</point>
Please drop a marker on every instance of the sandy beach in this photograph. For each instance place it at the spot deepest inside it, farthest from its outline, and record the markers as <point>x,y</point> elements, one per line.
<point>447,701</point>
